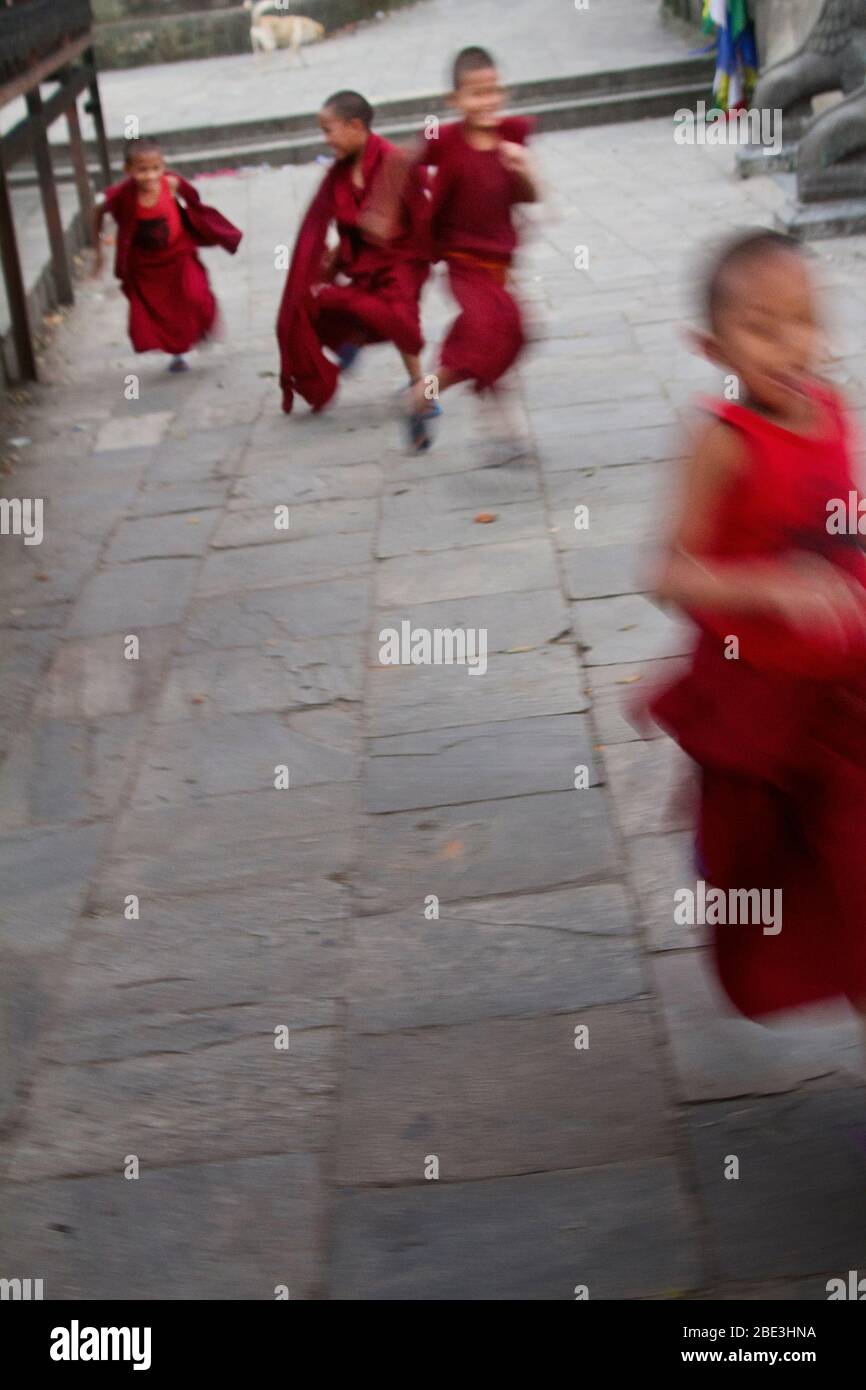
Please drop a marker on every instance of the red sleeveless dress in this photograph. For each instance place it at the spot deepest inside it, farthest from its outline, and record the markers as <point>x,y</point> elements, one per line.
<point>779,733</point>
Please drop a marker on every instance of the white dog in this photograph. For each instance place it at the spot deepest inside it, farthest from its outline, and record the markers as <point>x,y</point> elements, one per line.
<point>269,31</point>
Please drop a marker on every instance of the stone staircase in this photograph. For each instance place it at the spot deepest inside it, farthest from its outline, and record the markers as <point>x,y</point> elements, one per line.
<point>561,103</point>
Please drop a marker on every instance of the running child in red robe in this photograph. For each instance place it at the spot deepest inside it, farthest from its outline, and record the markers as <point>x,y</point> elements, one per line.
<point>766,559</point>
<point>482,172</point>
<point>367,288</point>
<point>171,305</point>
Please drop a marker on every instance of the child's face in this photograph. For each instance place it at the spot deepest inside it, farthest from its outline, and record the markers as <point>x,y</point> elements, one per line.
<point>479,98</point>
<point>147,169</point>
<point>768,330</point>
<point>344,137</point>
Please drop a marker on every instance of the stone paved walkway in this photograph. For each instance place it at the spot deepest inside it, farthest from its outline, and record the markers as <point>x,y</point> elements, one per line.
<point>408,54</point>
<point>260,909</point>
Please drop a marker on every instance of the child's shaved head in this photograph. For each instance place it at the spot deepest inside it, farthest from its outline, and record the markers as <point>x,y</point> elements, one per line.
<point>350,106</point>
<point>470,60</point>
<point>743,252</point>
<point>145,147</point>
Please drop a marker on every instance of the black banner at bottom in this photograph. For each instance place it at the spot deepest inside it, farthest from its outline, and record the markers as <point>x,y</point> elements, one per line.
<point>159,1339</point>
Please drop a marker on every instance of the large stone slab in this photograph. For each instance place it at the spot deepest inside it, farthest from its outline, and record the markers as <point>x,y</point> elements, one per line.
<point>248,620</point>
<point>233,1230</point>
<point>187,973</point>
<point>29,990</point>
<point>799,1203</point>
<point>62,770</point>
<point>476,763</point>
<point>240,752</point>
<point>149,538</point>
<point>518,844</point>
<point>24,655</point>
<point>408,972</point>
<point>130,431</point>
<point>628,628</point>
<point>623,1231</point>
<point>44,877</point>
<point>403,699</point>
<point>149,593</point>
<point>270,566</point>
<point>618,692</point>
<point>482,569</point>
<point>503,1097</point>
<point>249,838</point>
<point>198,455</point>
<point>268,488</point>
<point>442,531</point>
<point>653,785</point>
<point>642,412</point>
<point>91,678</point>
<point>163,499</point>
<point>719,1054</point>
<point>279,675</point>
<point>569,450</point>
<point>478,489</point>
<point>256,527</point>
<point>513,622</point>
<point>228,1099</point>
<point>659,865</point>
<point>599,571</point>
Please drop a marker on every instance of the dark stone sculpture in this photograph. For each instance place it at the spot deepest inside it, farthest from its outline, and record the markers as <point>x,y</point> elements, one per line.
<point>832,57</point>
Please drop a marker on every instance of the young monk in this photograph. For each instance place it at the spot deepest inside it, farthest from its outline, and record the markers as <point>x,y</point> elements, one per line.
<point>482,171</point>
<point>171,305</point>
<point>365,290</point>
<point>773,708</point>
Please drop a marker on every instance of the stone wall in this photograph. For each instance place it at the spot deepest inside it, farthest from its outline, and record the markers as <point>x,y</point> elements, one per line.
<point>134,32</point>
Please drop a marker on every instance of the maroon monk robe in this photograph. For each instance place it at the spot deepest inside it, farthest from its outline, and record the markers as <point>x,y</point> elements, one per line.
<point>473,230</point>
<point>385,275</point>
<point>171,305</point>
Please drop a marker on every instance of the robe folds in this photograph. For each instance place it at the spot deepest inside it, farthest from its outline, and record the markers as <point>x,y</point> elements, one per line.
<point>381,263</point>
<point>171,304</point>
<point>776,724</point>
<point>472,230</point>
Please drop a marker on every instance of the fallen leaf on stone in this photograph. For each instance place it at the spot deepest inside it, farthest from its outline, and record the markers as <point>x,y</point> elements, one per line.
<point>197,699</point>
<point>509,650</point>
<point>627,680</point>
<point>53,319</point>
<point>453,850</point>
<point>43,577</point>
<point>193,520</point>
<point>485,517</point>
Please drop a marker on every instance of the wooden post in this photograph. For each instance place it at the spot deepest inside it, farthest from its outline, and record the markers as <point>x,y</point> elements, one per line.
<point>94,109</point>
<point>79,164</point>
<point>50,205</point>
<point>15,286</point>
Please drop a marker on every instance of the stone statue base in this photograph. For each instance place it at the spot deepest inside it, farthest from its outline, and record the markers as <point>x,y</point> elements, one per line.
<point>812,221</point>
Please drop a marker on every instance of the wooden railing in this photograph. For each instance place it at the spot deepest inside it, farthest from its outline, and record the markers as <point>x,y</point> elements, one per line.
<point>31,30</point>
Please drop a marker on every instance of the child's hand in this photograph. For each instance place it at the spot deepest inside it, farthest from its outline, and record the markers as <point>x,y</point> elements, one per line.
<point>173,183</point>
<point>808,593</point>
<point>515,157</point>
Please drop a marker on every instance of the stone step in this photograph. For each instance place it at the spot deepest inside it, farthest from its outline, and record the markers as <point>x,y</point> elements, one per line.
<point>556,104</point>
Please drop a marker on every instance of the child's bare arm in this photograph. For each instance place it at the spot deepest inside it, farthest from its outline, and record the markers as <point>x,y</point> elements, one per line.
<point>800,589</point>
<point>686,579</point>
